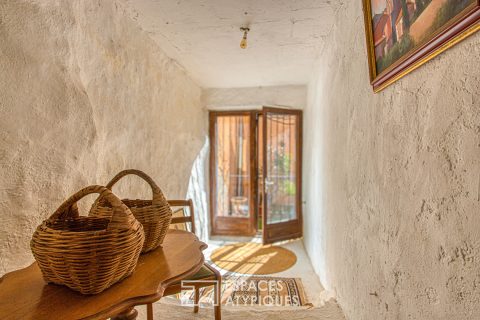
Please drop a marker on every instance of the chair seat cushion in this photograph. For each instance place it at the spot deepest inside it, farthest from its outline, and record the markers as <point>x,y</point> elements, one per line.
<point>203,273</point>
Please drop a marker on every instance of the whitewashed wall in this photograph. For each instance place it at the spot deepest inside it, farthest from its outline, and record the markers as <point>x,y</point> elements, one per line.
<point>391,181</point>
<point>84,93</point>
<point>255,98</point>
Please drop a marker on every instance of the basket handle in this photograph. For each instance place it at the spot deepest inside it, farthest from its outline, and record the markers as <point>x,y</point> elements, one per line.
<point>157,194</point>
<point>121,218</point>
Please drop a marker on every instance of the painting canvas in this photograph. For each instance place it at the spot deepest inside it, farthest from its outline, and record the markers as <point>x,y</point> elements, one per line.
<point>398,30</point>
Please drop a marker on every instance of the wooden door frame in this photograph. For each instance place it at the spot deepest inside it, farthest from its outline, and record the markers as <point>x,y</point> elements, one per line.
<point>295,227</point>
<point>249,228</point>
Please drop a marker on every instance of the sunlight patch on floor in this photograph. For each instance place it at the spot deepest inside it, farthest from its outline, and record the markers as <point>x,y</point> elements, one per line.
<point>302,268</point>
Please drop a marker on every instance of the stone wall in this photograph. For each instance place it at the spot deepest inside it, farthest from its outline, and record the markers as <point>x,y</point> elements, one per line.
<point>392,218</point>
<point>84,93</point>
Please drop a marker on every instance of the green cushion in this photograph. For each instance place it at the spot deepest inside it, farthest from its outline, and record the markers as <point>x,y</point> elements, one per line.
<point>203,273</point>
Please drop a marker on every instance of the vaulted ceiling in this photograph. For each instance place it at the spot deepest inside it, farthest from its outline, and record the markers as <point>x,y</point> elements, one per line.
<point>204,37</point>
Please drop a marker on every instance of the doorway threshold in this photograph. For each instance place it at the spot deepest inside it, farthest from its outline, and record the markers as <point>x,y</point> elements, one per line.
<point>230,239</point>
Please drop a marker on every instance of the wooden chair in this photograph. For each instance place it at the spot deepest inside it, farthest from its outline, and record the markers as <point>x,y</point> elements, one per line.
<point>205,276</point>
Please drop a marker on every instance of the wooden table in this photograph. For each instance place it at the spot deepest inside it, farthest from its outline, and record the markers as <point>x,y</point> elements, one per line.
<point>25,295</point>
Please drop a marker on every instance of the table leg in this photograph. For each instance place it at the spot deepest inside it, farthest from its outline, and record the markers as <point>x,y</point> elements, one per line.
<point>130,314</point>
<point>196,299</point>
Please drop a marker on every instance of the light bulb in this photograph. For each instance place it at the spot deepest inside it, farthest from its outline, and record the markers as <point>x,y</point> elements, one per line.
<point>243,43</point>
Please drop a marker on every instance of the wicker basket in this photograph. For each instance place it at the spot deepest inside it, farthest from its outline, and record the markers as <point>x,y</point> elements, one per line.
<point>88,254</point>
<point>155,215</point>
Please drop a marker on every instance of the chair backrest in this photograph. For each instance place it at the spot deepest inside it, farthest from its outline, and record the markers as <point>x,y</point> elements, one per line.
<point>180,216</point>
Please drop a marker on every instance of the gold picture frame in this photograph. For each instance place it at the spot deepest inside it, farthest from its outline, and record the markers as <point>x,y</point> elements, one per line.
<point>462,25</point>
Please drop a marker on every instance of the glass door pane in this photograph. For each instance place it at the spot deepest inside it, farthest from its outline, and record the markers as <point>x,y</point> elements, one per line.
<point>281,163</point>
<point>282,181</point>
<point>233,167</point>
<point>232,178</point>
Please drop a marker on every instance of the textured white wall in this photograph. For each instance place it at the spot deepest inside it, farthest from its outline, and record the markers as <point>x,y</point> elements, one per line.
<point>84,93</point>
<point>241,98</point>
<point>392,181</point>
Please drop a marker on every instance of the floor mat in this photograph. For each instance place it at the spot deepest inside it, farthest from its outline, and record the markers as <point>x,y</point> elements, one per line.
<point>162,310</point>
<point>253,258</point>
<point>255,291</point>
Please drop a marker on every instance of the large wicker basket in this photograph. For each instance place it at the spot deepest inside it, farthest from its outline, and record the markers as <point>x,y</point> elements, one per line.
<point>88,254</point>
<point>155,215</point>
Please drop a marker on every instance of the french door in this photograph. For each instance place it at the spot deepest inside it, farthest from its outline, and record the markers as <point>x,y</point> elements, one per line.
<point>255,173</point>
<point>280,174</point>
<point>232,167</point>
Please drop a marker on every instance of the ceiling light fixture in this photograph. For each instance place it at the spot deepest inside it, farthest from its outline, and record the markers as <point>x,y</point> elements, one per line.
<point>243,43</point>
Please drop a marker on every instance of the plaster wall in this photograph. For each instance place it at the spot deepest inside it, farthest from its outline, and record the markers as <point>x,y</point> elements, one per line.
<point>85,93</point>
<point>392,181</point>
<point>293,96</point>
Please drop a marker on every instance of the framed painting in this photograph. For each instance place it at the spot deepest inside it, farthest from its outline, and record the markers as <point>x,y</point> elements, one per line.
<point>404,34</point>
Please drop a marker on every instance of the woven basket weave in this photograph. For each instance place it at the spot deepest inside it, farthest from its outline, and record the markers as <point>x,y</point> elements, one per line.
<point>88,254</point>
<point>155,215</point>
